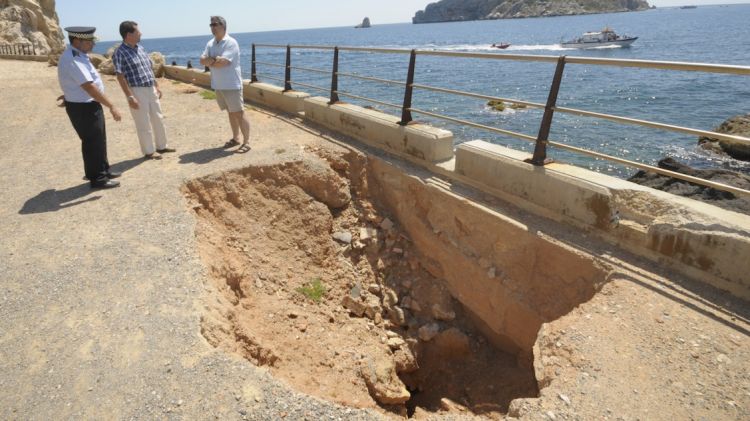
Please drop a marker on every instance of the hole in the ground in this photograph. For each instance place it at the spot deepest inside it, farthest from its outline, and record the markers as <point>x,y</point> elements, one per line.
<point>319,282</point>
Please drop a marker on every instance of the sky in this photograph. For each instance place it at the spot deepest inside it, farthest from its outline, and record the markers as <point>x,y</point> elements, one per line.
<point>161,19</point>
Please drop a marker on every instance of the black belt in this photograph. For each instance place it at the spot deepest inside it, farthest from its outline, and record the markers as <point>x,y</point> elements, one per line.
<point>81,104</point>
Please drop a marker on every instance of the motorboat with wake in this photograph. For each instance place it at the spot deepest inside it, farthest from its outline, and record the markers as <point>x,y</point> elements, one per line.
<point>606,37</point>
<point>502,45</point>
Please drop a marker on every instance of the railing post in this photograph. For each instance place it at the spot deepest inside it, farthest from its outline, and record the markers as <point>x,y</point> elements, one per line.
<point>335,77</point>
<point>406,108</point>
<point>253,72</point>
<point>288,73</point>
<point>540,150</point>
<point>33,49</point>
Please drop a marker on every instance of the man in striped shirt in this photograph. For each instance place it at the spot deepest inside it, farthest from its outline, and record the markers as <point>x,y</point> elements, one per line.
<point>136,78</point>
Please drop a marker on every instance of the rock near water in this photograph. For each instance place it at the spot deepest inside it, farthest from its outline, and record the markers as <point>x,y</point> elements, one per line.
<point>460,10</point>
<point>737,125</point>
<point>365,23</point>
<point>31,22</point>
<point>679,187</point>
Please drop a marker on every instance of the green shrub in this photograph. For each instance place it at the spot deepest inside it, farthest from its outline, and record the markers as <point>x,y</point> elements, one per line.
<point>208,94</point>
<point>314,290</point>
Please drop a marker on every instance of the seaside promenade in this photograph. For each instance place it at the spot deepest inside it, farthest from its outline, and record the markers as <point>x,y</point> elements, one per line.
<point>102,292</point>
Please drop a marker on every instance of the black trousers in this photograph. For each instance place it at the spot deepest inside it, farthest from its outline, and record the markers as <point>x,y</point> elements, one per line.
<point>88,121</point>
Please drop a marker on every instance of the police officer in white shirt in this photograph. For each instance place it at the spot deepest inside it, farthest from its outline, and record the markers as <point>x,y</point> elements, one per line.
<point>83,97</point>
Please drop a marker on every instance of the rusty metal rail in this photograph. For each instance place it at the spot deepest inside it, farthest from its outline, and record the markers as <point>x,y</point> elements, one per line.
<point>550,108</point>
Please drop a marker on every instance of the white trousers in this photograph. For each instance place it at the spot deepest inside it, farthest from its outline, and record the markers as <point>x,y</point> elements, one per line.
<point>149,120</point>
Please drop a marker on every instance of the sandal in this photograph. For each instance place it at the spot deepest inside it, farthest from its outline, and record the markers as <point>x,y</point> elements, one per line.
<point>244,148</point>
<point>231,143</point>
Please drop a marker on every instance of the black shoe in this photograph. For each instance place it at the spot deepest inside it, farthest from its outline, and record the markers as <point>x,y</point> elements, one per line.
<point>107,184</point>
<point>110,175</point>
<point>166,150</point>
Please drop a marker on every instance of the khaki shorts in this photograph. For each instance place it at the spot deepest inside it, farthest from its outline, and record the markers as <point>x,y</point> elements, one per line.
<point>230,99</point>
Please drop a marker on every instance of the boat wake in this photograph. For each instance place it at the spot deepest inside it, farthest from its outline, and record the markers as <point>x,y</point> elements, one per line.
<point>487,47</point>
<point>551,47</point>
<point>484,48</point>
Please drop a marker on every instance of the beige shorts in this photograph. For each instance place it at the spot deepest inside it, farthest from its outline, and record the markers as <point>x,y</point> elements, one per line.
<point>230,99</point>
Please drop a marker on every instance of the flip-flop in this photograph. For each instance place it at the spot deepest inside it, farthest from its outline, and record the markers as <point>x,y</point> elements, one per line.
<point>244,148</point>
<point>231,143</point>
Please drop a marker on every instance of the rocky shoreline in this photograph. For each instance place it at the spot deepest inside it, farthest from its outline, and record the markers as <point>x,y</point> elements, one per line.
<point>462,10</point>
<point>738,126</point>
<point>706,194</point>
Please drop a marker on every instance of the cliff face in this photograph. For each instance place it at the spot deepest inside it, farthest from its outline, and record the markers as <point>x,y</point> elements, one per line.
<point>31,22</point>
<point>459,10</point>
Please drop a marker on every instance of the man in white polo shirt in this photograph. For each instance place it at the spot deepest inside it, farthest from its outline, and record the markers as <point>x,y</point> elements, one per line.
<point>222,56</point>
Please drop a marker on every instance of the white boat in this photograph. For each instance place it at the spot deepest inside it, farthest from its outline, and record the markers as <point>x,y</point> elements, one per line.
<point>606,37</point>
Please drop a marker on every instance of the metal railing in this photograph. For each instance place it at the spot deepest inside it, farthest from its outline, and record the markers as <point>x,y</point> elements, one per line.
<point>18,50</point>
<point>550,107</point>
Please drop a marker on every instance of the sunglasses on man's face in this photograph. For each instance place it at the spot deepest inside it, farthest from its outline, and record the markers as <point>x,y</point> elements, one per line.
<point>214,24</point>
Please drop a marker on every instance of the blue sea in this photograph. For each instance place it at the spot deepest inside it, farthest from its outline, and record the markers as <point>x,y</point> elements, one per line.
<point>707,34</point>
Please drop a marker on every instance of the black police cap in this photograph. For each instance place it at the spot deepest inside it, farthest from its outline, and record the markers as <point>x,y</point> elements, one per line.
<point>81,32</point>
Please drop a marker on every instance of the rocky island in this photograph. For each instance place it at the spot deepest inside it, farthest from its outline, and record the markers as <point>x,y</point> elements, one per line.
<point>365,23</point>
<point>461,10</point>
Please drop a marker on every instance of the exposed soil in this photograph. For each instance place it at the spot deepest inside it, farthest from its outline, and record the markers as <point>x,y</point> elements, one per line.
<point>384,332</point>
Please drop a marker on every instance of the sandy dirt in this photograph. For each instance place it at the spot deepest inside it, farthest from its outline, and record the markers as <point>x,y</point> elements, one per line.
<point>383,332</point>
<point>178,295</point>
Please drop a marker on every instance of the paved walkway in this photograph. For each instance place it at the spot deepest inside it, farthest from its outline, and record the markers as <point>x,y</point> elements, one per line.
<point>101,291</point>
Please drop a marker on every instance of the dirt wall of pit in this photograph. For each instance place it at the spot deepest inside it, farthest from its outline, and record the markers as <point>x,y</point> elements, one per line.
<point>510,277</point>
